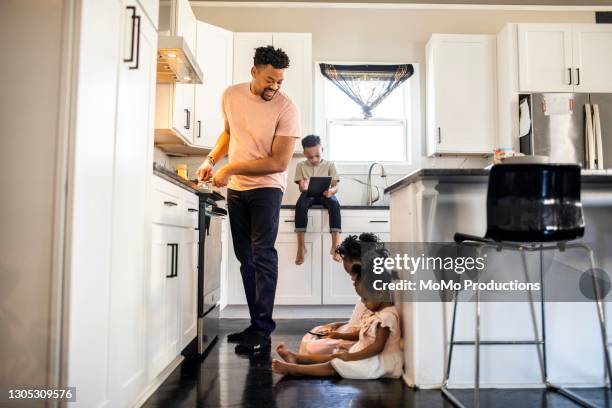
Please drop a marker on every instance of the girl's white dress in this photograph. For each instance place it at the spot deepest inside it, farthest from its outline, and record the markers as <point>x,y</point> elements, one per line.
<point>388,363</point>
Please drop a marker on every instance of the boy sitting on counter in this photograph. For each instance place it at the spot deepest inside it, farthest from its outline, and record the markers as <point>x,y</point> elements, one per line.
<point>315,166</point>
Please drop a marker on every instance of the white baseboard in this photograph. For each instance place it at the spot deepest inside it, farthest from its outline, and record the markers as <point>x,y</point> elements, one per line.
<point>157,381</point>
<point>293,312</point>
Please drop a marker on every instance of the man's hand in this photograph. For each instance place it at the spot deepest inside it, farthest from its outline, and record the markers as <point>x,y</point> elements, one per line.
<point>328,193</point>
<point>204,172</point>
<point>221,177</point>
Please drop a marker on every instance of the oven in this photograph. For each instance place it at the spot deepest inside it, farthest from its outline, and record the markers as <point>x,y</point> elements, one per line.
<point>210,253</point>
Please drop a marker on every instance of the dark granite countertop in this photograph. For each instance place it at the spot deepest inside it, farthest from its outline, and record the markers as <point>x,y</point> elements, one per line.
<point>473,176</point>
<point>189,185</point>
<point>174,178</point>
<point>342,207</point>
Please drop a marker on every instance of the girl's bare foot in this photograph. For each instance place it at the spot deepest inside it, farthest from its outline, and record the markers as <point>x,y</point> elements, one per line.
<point>336,256</point>
<point>301,254</point>
<point>285,354</point>
<point>280,367</point>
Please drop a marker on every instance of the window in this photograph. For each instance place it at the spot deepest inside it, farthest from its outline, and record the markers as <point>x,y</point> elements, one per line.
<point>350,138</point>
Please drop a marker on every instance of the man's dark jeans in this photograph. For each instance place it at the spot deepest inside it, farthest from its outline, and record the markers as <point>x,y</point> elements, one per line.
<point>253,216</point>
<point>305,202</point>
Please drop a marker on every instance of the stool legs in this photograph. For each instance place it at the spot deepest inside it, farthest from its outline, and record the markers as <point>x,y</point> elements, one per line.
<point>477,343</point>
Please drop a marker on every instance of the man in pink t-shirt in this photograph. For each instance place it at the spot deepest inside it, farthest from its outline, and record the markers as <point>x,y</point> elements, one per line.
<point>261,128</point>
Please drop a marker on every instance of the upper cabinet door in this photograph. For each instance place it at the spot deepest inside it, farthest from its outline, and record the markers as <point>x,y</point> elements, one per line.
<point>592,57</point>
<point>298,77</point>
<point>182,118</point>
<point>215,56</point>
<point>244,50</point>
<point>462,94</point>
<point>545,58</point>
<point>186,24</point>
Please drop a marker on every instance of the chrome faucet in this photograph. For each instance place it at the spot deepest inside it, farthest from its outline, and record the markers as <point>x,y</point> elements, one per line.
<point>383,173</point>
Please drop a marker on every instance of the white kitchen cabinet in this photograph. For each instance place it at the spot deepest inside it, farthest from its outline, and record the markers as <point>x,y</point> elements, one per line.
<point>565,57</point>
<point>298,77</point>
<point>110,230</point>
<point>174,111</point>
<point>461,94</point>
<point>151,9</point>
<point>337,285</point>
<point>320,280</point>
<point>163,308</point>
<point>545,57</point>
<point>215,56</point>
<point>592,57</point>
<point>296,285</point>
<point>188,281</point>
<point>186,23</point>
<point>130,226</point>
<point>172,306</point>
<point>244,51</point>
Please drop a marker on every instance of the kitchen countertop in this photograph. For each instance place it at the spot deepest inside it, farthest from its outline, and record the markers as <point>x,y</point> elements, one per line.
<point>342,207</point>
<point>174,178</point>
<point>475,176</point>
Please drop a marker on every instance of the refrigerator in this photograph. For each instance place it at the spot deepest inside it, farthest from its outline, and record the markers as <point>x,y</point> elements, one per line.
<point>568,128</point>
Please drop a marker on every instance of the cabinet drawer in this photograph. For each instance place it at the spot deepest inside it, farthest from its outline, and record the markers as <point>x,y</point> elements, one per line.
<point>287,221</point>
<point>190,210</point>
<point>167,202</point>
<point>357,221</point>
<point>167,208</point>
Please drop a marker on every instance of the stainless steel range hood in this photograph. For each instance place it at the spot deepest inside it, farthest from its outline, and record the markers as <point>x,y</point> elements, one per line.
<point>176,62</point>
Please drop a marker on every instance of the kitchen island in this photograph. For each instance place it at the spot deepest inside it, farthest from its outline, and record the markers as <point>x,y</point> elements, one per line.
<point>430,205</point>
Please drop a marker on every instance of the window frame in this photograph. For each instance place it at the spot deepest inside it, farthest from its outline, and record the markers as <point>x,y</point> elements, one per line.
<point>412,120</point>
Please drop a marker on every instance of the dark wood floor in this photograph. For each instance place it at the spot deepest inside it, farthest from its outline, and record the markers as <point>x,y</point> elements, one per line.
<point>225,379</point>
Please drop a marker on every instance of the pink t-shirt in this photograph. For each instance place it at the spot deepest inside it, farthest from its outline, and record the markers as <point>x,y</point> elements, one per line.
<point>253,124</point>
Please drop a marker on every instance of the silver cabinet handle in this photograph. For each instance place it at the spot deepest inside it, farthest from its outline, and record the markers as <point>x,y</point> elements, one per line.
<point>289,220</point>
<point>192,209</point>
<point>570,75</point>
<point>439,135</point>
<point>577,76</point>
<point>380,221</point>
<point>170,203</point>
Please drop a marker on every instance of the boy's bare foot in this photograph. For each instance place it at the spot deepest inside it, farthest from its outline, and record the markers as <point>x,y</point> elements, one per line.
<point>301,255</point>
<point>285,354</point>
<point>280,367</point>
<point>336,256</point>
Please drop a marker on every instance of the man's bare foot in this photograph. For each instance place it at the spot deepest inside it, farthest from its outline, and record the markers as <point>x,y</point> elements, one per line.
<point>285,354</point>
<point>336,256</point>
<point>301,255</point>
<point>280,367</point>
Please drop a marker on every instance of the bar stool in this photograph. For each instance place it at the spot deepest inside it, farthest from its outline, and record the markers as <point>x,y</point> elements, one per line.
<point>531,208</point>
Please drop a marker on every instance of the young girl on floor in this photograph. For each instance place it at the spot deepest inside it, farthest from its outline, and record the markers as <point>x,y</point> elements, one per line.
<point>376,354</point>
<point>333,337</point>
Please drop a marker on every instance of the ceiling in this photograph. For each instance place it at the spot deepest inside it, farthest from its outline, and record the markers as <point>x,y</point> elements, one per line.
<point>478,2</point>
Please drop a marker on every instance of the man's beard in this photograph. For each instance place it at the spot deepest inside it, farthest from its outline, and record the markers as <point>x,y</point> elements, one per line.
<point>266,97</point>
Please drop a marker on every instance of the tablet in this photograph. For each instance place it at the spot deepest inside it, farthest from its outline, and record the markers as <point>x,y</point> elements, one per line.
<point>317,186</point>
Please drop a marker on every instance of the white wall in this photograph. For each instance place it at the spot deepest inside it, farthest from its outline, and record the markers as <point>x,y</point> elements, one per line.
<point>31,104</point>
